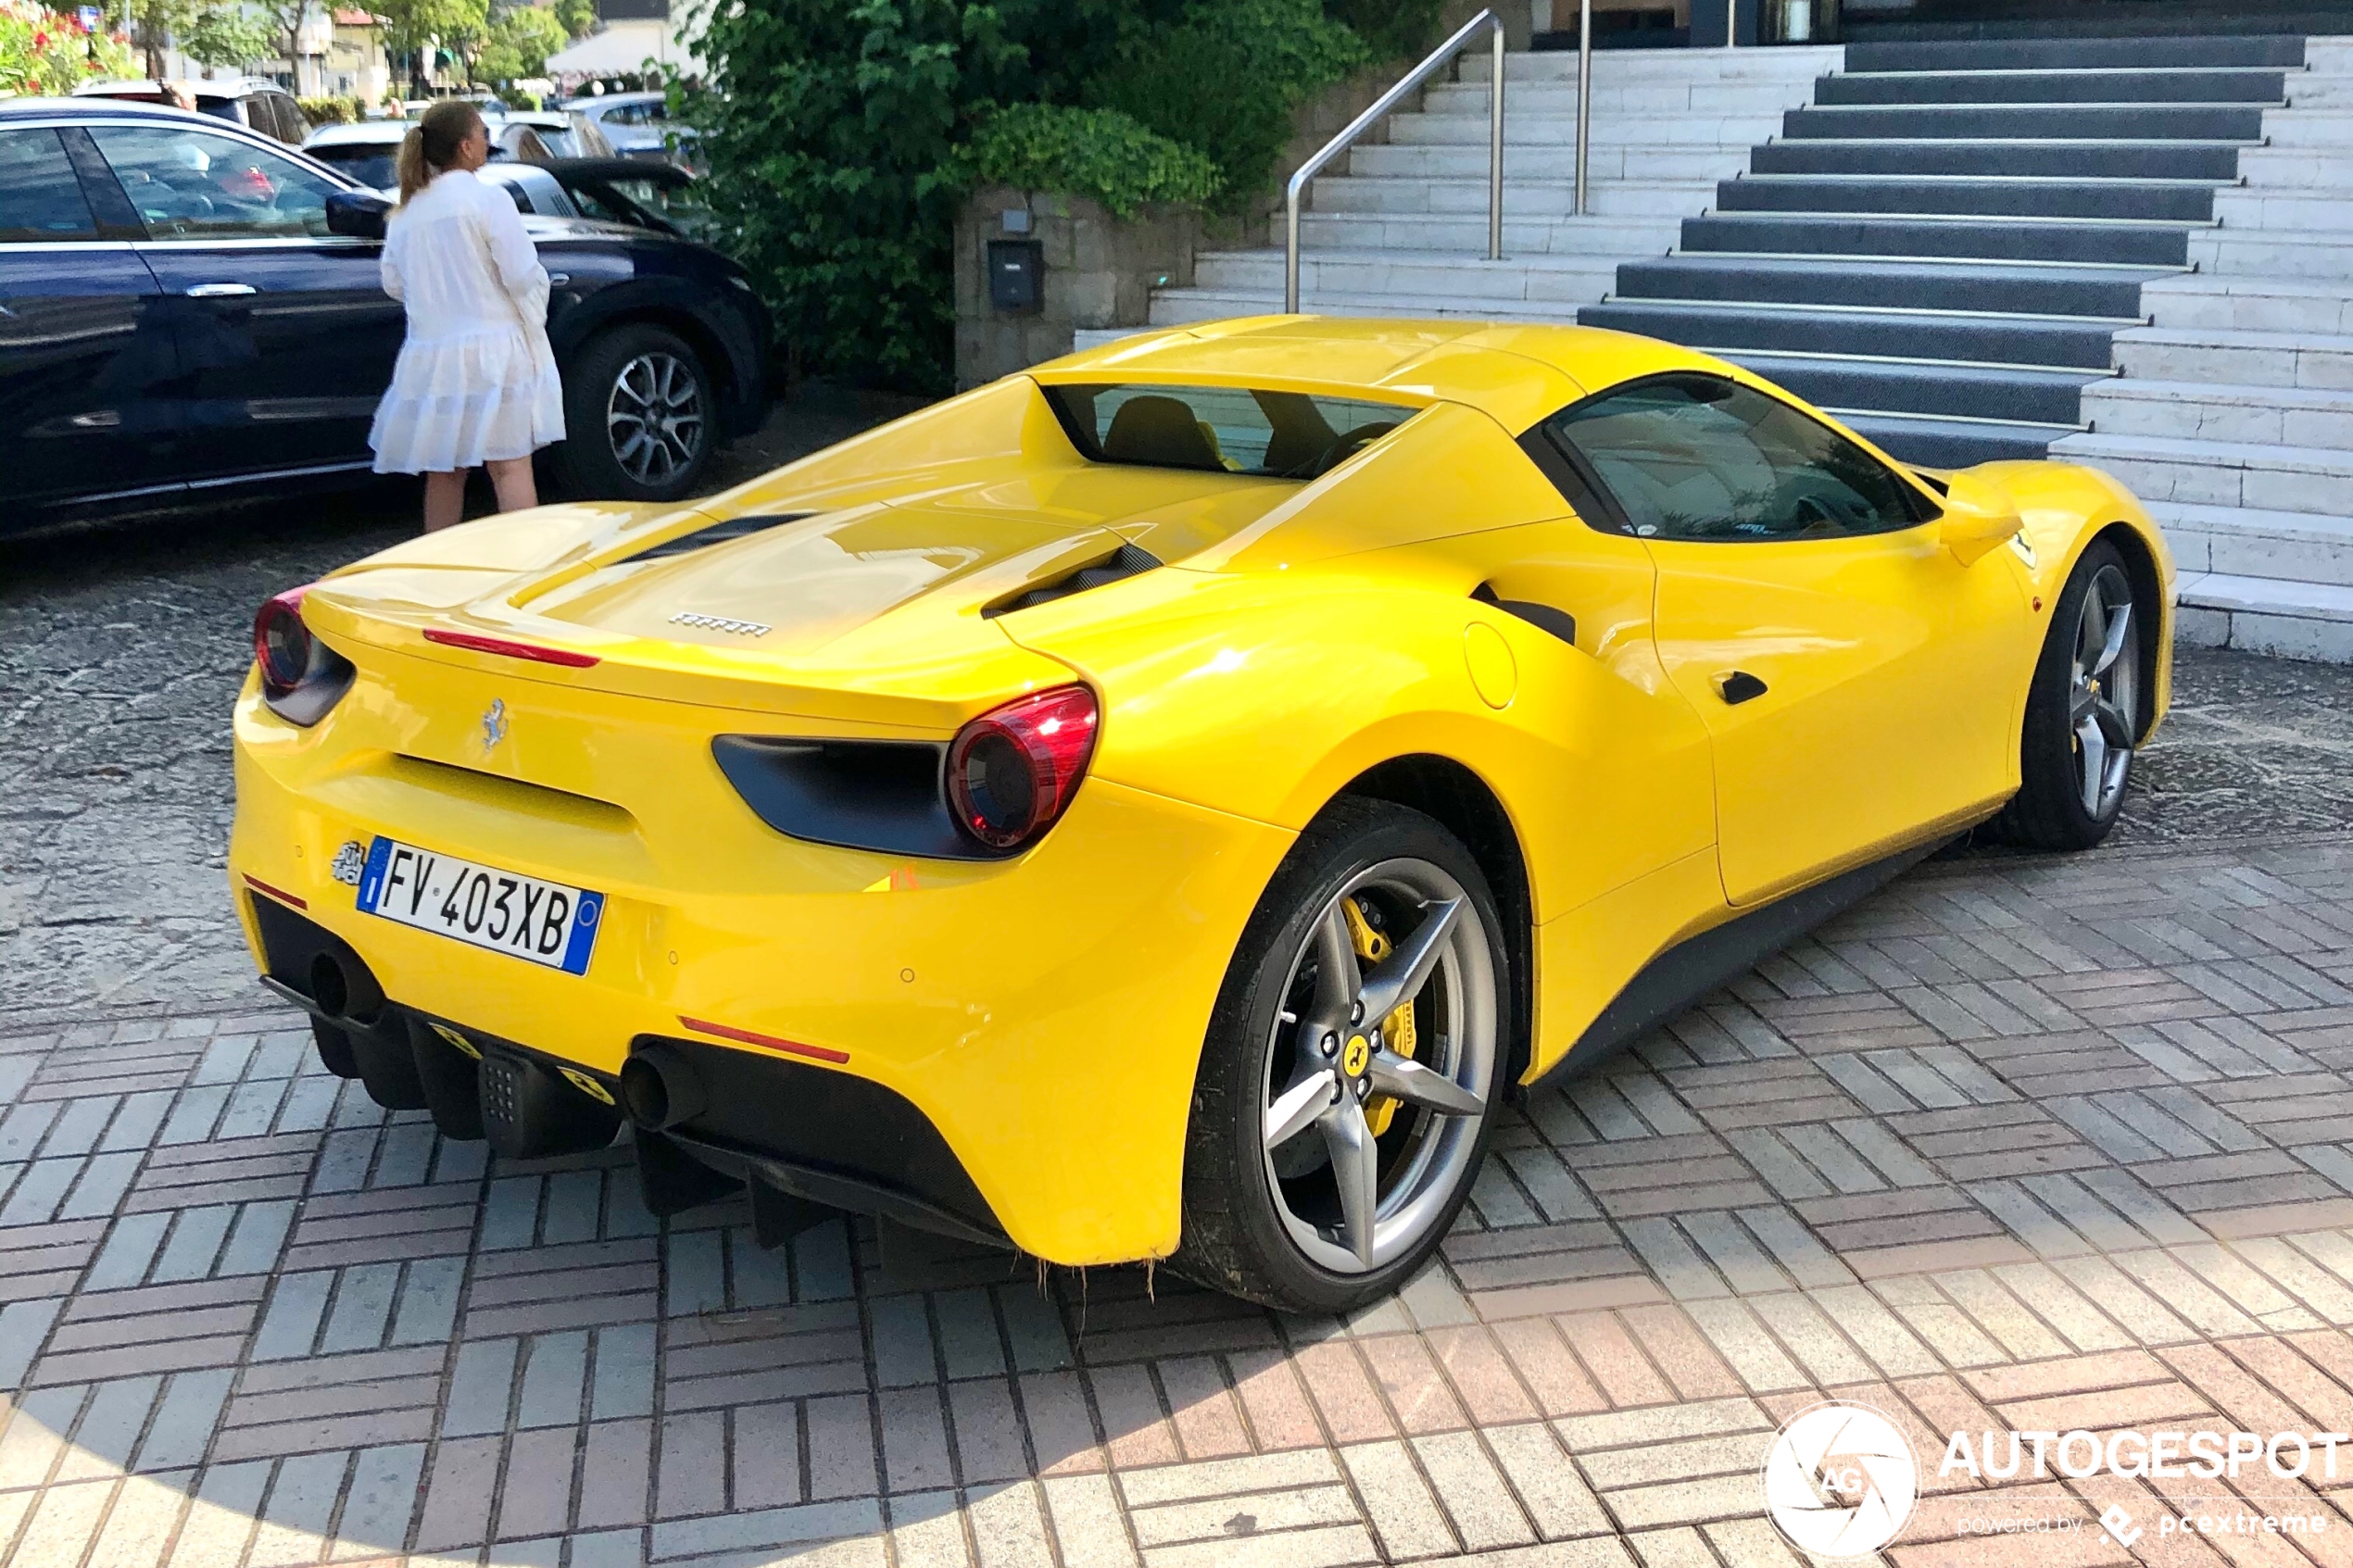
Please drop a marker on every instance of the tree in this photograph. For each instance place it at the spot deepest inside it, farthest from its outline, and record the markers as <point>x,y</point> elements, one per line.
<point>579,17</point>
<point>227,36</point>
<point>286,19</point>
<point>518,43</point>
<point>413,27</point>
<point>154,24</point>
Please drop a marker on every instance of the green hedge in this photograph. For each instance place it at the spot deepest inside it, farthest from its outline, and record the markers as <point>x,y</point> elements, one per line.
<point>1098,153</point>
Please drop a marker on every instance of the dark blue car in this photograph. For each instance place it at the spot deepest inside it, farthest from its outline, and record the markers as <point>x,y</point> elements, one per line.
<point>189,308</point>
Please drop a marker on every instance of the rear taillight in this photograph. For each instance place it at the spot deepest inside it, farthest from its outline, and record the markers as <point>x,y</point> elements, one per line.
<point>301,677</point>
<point>1012,771</point>
<point>282,646</point>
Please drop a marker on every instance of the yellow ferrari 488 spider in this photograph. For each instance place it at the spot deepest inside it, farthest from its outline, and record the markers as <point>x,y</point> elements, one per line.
<point>1159,805</point>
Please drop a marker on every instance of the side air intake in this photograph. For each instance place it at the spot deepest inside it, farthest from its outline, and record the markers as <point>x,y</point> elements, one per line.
<point>1125,562</point>
<point>718,534</point>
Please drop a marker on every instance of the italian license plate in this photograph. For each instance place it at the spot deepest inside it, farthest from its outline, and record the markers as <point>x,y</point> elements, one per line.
<point>505,912</point>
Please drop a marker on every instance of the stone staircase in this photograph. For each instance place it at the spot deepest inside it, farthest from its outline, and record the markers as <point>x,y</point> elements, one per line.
<point>2135,253</point>
<point>1401,231</point>
<point>2232,414</point>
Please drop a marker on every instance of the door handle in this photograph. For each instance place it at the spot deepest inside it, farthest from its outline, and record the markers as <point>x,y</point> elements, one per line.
<point>1736,687</point>
<point>218,291</point>
<point>558,279</point>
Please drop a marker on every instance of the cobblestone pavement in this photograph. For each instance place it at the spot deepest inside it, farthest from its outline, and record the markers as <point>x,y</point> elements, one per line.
<point>2021,1144</point>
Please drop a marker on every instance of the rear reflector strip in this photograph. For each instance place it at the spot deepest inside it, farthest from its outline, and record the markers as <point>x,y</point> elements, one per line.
<point>283,897</point>
<point>765,1042</point>
<point>506,649</point>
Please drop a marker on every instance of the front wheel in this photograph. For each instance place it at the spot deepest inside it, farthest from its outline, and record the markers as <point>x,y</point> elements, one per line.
<point>1352,1068</point>
<point>2082,713</point>
<point>640,417</point>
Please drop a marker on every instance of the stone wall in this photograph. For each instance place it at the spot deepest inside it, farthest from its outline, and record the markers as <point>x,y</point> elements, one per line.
<point>1100,271</point>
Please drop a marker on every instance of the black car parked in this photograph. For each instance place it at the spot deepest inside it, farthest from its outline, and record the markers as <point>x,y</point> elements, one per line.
<point>189,308</point>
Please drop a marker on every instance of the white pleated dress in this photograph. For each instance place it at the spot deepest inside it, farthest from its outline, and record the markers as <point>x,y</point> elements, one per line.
<point>476,381</point>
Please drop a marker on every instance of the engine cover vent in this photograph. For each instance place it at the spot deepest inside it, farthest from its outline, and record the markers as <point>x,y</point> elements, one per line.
<point>718,534</point>
<point>1126,562</point>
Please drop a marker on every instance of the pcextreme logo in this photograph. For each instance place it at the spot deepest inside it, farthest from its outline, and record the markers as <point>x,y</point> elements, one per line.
<point>1840,1480</point>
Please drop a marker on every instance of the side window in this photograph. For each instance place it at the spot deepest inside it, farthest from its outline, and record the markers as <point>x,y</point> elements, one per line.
<point>191,185</point>
<point>40,198</point>
<point>1698,457</point>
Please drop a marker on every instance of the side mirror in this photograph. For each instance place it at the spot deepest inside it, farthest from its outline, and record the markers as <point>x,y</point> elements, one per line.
<point>357,215</point>
<point>1980,518</point>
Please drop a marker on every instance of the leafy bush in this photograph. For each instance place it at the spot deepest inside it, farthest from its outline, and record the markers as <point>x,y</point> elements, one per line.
<point>331,111</point>
<point>1392,30</point>
<point>44,52</point>
<point>1227,77</point>
<point>841,136</point>
<point>1098,153</point>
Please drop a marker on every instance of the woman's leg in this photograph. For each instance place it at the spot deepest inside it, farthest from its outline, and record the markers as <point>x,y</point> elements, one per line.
<point>511,478</point>
<point>445,499</point>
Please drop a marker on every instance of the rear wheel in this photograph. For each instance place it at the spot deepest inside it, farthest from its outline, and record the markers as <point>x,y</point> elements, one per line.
<point>640,417</point>
<point>2082,714</point>
<point>1350,1078</point>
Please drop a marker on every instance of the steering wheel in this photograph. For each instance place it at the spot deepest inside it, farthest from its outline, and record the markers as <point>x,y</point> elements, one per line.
<point>1347,445</point>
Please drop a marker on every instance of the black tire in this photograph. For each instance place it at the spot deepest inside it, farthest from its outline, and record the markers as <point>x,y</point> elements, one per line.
<point>608,455</point>
<point>2050,811</point>
<point>1240,1231</point>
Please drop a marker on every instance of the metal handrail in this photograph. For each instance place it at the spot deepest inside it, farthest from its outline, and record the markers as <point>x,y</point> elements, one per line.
<point>1439,59</point>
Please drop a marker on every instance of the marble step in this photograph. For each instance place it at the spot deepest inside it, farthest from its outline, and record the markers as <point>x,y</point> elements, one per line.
<point>1528,199</point>
<point>2218,473</point>
<point>2309,128</point>
<point>1599,233</point>
<point>1796,63</point>
<point>2219,301</point>
<point>1176,308</point>
<point>2291,253</point>
<point>1426,280</point>
<point>1766,95</point>
<point>1605,158</point>
<point>2263,416</point>
<point>2243,358</point>
<point>2316,211</point>
<point>2266,615</point>
<point>2296,170</point>
<point>2245,541</point>
<point>1711,129</point>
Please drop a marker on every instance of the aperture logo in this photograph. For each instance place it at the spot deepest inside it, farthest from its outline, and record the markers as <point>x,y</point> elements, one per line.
<point>1840,1480</point>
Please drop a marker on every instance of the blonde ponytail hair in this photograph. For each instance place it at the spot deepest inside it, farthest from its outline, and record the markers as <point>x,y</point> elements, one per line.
<point>432,144</point>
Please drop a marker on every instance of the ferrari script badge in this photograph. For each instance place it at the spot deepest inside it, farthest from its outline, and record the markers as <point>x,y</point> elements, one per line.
<point>494,724</point>
<point>721,624</point>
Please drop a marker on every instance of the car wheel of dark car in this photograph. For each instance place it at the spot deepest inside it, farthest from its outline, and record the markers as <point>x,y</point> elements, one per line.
<point>639,411</point>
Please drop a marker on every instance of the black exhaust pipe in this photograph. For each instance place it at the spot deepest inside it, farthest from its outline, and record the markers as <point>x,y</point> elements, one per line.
<point>660,1090</point>
<point>377,1048</point>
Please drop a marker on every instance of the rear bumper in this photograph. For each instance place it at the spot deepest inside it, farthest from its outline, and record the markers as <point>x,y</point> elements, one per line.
<point>1020,1037</point>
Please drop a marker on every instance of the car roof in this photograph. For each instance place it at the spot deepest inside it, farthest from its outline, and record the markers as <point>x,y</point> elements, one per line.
<point>366,133</point>
<point>607,100</point>
<point>100,106</point>
<point>596,169</point>
<point>1518,374</point>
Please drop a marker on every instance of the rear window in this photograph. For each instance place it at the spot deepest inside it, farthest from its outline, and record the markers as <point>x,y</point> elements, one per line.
<point>1221,429</point>
<point>370,165</point>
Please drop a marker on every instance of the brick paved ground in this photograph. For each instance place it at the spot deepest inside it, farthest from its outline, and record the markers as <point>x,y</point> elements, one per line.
<point>2020,1144</point>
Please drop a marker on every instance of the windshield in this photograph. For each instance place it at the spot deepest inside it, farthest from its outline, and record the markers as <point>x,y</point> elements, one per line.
<point>1232,430</point>
<point>370,165</point>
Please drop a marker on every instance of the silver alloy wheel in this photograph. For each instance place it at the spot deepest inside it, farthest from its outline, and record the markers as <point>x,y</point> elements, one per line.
<point>654,416</point>
<point>1351,1199</point>
<point>2104,698</point>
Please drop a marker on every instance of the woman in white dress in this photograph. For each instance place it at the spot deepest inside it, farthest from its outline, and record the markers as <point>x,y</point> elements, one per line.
<point>476,383</point>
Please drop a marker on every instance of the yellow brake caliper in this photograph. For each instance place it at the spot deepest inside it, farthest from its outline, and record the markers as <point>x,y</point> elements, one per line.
<point>1397,1029</point>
